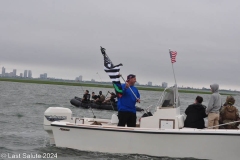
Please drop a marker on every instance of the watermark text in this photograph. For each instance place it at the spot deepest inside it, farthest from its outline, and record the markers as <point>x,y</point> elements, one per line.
<point>28,155</point>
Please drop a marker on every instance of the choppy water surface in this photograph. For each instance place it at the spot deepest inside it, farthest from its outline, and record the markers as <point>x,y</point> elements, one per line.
<point>22,109</point>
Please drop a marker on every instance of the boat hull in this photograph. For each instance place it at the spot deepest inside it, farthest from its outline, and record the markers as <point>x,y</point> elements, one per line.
<point>171,143</point>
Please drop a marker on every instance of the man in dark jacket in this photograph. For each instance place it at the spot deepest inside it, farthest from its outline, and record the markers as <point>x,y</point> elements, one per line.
<point>195,114</point>
<point>94,97</point>
<point>86,97</point>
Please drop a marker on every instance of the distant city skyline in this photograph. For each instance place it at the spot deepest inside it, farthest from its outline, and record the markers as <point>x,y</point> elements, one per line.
<point>102,76</point>
<point>26,74</point>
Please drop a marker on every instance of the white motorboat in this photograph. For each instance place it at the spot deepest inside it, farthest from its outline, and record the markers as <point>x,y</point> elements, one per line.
<point>162,134</point>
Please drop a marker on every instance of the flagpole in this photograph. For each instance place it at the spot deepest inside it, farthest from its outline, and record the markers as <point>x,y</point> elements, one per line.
<point>175,101</point>
<point>173,70</point>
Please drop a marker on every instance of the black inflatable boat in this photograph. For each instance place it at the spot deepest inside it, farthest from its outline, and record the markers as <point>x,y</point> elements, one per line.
<point>76,101</point>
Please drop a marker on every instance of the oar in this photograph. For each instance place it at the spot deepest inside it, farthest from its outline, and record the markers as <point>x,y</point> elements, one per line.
<point>130,88</point>
<point>110,101</point>
<point>106,95</point>
<point>112,105</point>
<point>82,89</point>
<point>93,113</point>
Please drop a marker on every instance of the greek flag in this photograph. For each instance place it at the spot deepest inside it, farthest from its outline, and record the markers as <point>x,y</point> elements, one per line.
<point>113,72</point>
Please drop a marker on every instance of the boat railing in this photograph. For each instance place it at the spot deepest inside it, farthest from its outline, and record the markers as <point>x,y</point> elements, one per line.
<point>76,120</point>
<point>162,96</point>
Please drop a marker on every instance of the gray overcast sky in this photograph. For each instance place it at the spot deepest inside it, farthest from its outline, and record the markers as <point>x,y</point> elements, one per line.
<point>63,39</point>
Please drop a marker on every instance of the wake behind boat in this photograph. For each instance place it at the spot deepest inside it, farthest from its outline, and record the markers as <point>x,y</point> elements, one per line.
<point>76,101</point>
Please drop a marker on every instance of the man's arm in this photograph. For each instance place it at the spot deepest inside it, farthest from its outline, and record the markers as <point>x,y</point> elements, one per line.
<point>138,96</point>
<point>210,104</point>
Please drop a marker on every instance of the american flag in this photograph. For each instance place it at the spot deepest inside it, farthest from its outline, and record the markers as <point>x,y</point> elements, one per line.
<point>173,55</point>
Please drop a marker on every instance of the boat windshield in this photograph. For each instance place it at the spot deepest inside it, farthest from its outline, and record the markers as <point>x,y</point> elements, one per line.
<point>168,97</point>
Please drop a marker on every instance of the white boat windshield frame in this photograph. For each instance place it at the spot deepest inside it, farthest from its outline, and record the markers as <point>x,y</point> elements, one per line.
<point>165,103</point>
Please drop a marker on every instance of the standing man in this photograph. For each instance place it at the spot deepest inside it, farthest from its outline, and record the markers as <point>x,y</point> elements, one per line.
<point>214,106</point>
<point>126,104</point>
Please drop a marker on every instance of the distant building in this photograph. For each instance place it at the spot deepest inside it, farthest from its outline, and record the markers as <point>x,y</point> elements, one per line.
<point>29,74</point>
<point>79,78</point>
<point>10,74</point>
<point>14,73</point>
<point>164,85</point>
<point>149,83</point>
<point>136,83</point>
<point>21,75</point>
<point>43,76</point>
<point>93,80</point>
<point>25,74</point>
<point>3,71</point>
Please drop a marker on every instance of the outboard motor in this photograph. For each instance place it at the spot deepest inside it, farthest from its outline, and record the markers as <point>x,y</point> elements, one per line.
<point>55,114</point>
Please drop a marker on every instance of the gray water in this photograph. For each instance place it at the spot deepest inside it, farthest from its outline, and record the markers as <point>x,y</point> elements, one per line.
<point>22,108</point>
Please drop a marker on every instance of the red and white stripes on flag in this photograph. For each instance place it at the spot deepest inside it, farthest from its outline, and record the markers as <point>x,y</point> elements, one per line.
<point>173,55</point>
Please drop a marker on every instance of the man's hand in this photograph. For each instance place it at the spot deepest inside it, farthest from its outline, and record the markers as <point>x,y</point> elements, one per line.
<point>138,100</point>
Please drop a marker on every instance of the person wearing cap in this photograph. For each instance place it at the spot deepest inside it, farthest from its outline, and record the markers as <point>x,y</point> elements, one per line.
<point>126,103</point>
<point>214,106</point>
<point>228,114</point>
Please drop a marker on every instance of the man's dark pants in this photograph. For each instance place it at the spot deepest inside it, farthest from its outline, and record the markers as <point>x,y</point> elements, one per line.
<point>128,118</point>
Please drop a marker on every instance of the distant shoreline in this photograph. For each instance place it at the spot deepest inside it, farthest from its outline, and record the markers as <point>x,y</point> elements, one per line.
<point>86,84</point>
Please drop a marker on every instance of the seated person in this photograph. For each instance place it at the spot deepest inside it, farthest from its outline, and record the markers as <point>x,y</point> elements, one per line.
<point>195,114</point>
<point>94,97</point>
<point>86,97</point>
<point>111,98</point>
<point>100,98</point>
<point>229,113</point>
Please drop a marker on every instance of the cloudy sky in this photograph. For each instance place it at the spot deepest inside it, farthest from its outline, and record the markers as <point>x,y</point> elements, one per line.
<point>62,38</point>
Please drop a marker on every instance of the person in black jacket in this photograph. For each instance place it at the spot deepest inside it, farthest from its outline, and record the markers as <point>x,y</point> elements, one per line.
<point>195,114</point>
<point>94,97</point>
<point>86,97</point>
